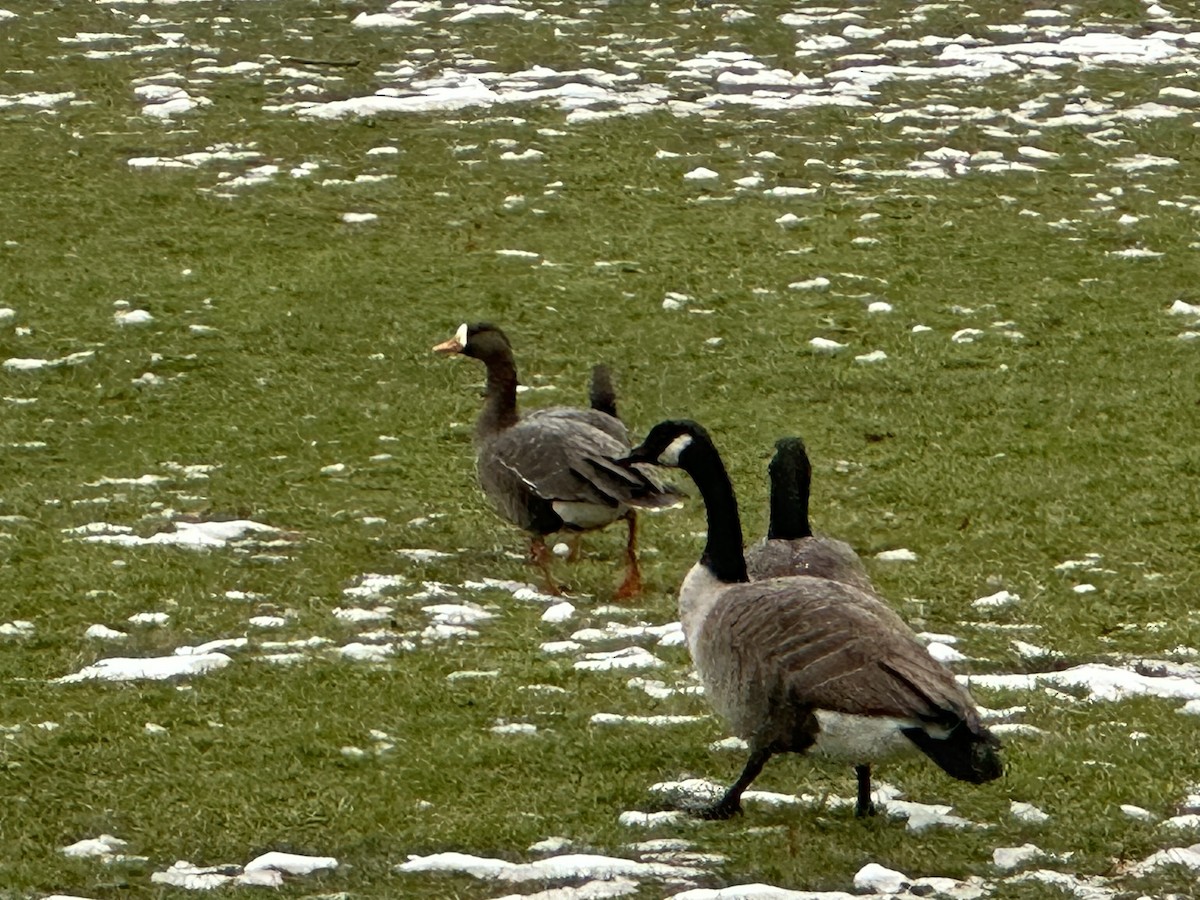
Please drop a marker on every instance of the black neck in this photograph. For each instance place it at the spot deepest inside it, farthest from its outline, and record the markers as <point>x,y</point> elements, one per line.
<point>500,404</point>
<point>723,554</point>
<point>790,480</point>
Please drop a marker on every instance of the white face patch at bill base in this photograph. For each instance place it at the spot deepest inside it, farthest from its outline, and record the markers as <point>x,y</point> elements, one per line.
<point>670,456</point>
<point>460,336</point>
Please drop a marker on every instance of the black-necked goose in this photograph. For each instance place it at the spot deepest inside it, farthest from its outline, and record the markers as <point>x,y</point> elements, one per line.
<point>553,469</point>
<point>802,664</point>
<point>790,547</point>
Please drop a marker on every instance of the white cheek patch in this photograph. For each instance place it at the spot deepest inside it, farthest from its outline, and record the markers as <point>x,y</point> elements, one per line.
<point>461,335</point>
<point>670,456</point>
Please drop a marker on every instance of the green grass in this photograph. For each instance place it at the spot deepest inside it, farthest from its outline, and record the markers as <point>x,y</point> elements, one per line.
<point>993,461</point>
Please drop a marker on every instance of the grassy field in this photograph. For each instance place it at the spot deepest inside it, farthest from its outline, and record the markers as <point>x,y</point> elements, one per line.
<point>288,350</point>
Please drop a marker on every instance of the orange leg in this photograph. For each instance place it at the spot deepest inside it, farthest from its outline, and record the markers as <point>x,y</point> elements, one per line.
<point>632,585</point>
<point>539,555</point>
<point>575,542</point>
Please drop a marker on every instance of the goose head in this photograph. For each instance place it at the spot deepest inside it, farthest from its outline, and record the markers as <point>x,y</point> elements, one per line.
<point>791,456</point>
<point>480,340</point>
<point>684,444</point>
<point>670,443</point>
<point>791,480</point>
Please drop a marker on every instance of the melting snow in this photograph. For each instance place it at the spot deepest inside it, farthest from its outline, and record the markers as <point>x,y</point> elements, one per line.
<point>997,600</point>
<point>263,871</point>
<point>559,612</point>
<point>628,658</point>
<point>615,719</point>
<point>148,669</point>
<point>1027,813</point>
<point>1188,857</point>
<point>33,365</point>
<point>554,868</point>
<point>825,345</point>
<point>423,555</point>
<point>191,535</point>
<point>899,555</point>
<point>1101,681</point>
<point>105,845</point>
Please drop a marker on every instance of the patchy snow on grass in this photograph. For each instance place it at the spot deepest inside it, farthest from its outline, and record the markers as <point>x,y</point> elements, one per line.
<point>189,535</point>
<point>998,600</point>
<point>266,870</point>
<point>554,868</point>
<point>655,721</point>
<point>291,863</point>
<point>106,845</point>
<point>626,658</point>
<point>422,555</point>
<point>147,669</point>
<point>33,365</point>
<point>1100,680</point>
<point>902,554</point>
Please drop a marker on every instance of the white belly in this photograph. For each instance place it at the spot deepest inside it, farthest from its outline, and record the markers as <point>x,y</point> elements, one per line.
<point>586,516</point>
<point>861,739</point>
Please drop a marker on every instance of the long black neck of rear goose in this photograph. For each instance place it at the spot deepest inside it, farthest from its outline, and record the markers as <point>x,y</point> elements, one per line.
<point>723,554</point>
<point>500,403</point>
<point>791,476</point>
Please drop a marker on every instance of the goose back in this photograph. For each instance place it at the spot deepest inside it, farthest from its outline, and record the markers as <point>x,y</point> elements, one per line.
<point>818,556</point>
<point>791,547</point>
<point>554,469</point>
<point>802,661</point>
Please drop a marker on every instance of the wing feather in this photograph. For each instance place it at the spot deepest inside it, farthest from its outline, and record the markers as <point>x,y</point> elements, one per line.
<point>833,647</point>
<point>565,455</point>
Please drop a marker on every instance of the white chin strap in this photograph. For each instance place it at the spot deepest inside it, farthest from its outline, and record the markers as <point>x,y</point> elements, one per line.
<point>670,456</point>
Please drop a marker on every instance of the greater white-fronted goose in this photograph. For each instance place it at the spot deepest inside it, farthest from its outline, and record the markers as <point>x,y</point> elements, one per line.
<point>790,547</point>
<point>802,664</point>
<point>554,469</point>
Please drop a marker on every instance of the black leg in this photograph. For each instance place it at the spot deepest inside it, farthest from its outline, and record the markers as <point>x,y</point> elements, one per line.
<point>864,807</point>
<point>731,804</point>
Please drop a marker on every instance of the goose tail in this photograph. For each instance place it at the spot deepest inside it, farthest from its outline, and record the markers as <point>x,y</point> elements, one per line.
<point>968,753</point>
<point>601,394</point>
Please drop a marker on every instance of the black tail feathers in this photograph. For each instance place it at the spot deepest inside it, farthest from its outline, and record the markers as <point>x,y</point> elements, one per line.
<point>601,394</point>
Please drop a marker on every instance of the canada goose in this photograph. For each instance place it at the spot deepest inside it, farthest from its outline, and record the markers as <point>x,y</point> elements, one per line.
<point>790,547</point>
<point>553,469</point>
<point>803,663</point>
